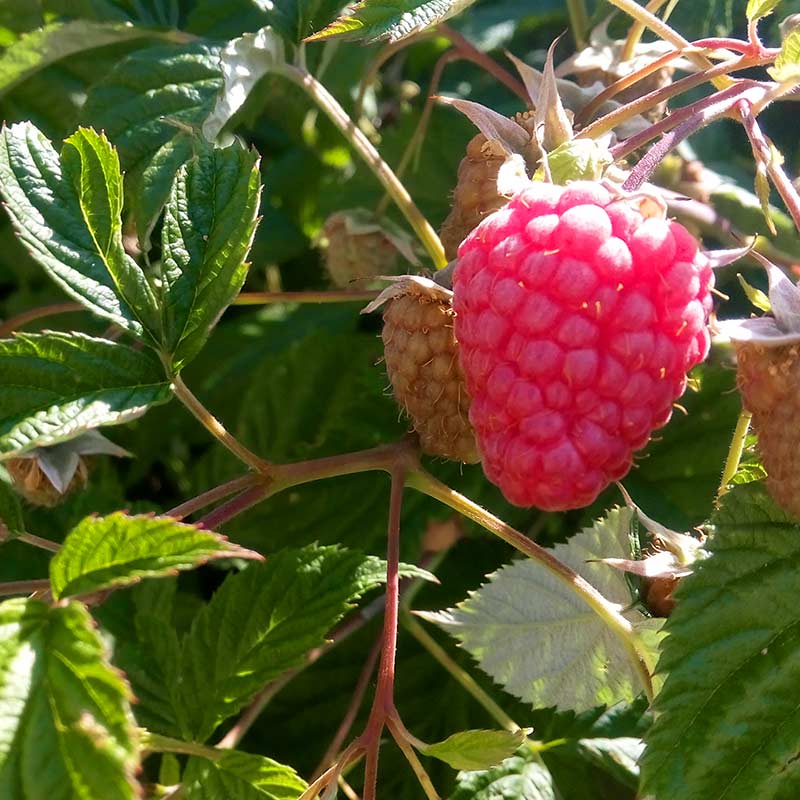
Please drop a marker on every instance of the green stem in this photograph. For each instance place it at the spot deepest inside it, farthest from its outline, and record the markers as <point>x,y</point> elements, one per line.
<point>635,33</point>
<point>579,22</point>
<point>427,484</point>
<point>38,541</point>
<point>400,736</point>
<point>338,116</point>
<point>735,451</point>
<point>165,744</point>
<point>215,427</point>
<point>344,296</point>
<point>667,33</point>
<point>462,676</point>
<point>24,587</point>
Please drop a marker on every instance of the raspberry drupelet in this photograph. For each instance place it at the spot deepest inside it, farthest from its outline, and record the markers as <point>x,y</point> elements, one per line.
<point>578,319</point>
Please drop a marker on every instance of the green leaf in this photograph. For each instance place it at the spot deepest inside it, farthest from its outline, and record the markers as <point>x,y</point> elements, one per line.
<point>35,50</point>
<point>209,224</point>
<point>241,776</point>
<point>390,20</point>
<point>56,386</point>
<point>727,722</point>
<point>101,552</point>
<point>787,64</point>
<point>151,106</point>
<point>520,777</point>
<point>578,160</point>
<point>539,639</point>
<point>67,214</point>
<point>619,756</point>
<point>475,749</point>
<point>11,520</point>
<point>756,9</point>
<point>260,623</point>
<point>758,298</point>
<point>66,729</point>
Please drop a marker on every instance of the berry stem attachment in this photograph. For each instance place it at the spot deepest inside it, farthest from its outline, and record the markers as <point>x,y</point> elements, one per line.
<point>215,427</point>
<point>424,482</point>
<point>735,451</point>
<point>338,116</point>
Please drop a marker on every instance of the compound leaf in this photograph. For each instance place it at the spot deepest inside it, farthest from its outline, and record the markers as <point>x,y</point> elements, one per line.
<point>521,777</point>
<point>727,721</point>
<point>67,213</point>
<point>100,552</point>
<point>151,107</point>
<point>56,386</point>
<point>209,223</point>
<point>66,729</point>
<point>261,622</point>
<point>241,776</point>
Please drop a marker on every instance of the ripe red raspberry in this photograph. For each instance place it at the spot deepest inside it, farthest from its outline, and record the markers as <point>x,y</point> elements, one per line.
<point>421,356</point>
<point>769,382</point>
<point>577,319</point>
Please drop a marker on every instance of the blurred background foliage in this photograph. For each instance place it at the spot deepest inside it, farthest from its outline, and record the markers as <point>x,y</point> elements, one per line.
<point>302,381</point>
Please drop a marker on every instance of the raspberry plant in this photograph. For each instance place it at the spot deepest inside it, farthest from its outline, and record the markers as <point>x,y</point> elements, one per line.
<point>259,542</point>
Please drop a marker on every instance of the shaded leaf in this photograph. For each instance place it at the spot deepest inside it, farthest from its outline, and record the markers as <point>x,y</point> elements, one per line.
<point>66,730</point>
<point>35,50</point>
<point>727,720</point>
<point>390,20</point>
<point>151,106</point>
<point>471,750</point>
<point>260,623</point>
<point>209,223</point>
<point>521,777</point>
<point>539,639</point>
<point>56,386</point>
<point>67,214</point>
<point>101,552</point>
<point>11,520</point>
<point>241,776</point>
<point>619,756</point>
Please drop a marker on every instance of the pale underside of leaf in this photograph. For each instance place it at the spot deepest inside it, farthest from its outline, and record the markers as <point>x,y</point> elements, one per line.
<point>371,21</point>
<point>540,639</point>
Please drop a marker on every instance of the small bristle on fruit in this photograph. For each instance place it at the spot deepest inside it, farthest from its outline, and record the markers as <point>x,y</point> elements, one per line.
<point>769,382</point>
<point>421,358</point>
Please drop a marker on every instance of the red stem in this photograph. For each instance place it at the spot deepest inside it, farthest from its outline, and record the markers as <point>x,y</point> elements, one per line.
<point>213,495</point>
<point>234,507</point>
<point>352,709</point>
<point>14,323</point>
